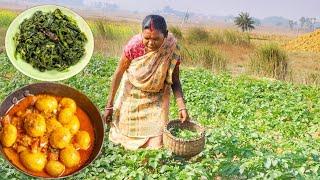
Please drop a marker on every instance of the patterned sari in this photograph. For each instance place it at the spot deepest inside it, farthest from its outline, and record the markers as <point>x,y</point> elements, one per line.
<point>142,103</point>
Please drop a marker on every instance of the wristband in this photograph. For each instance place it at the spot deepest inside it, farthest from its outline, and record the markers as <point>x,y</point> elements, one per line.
<point>182,109</point>
<point>108,108</point>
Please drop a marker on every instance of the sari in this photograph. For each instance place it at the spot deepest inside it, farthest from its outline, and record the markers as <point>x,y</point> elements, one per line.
<point>141,107</point>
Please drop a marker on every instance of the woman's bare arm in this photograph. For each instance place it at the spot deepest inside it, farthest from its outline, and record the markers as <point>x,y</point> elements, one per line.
<point>117,76</point>
<point>177,91</point>
<point>176,86</point>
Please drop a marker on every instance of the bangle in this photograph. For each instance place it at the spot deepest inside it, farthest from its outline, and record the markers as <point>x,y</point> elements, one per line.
<point>108,108</point>
<point>180,99</point>
<point>182,109</point>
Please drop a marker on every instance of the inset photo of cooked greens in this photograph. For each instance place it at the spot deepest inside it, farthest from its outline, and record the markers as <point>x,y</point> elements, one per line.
<point>50,40</point>
<point>49,43</point>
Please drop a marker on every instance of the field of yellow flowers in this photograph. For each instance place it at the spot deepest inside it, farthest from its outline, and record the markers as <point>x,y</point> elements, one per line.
<point>308,42</point>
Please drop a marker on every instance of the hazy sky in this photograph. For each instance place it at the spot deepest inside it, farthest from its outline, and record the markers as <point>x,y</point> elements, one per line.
<point>293,9</point>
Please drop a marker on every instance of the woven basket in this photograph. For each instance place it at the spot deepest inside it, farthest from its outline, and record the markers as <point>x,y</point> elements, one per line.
<point>182,147</point>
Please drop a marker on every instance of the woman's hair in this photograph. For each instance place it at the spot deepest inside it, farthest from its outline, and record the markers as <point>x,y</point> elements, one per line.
<point>155,22</point>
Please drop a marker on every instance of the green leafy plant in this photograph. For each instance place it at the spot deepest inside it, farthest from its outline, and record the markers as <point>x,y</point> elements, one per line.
<point>270,60</point>
<point>197,34</point>
<point>184,133</point>
<point>176,31</point>
<point>236,37</point>
<point>6,17</point>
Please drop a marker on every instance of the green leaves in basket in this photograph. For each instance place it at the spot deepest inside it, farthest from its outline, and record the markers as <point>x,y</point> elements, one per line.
<point>184,133</point>
<point>50,41</point>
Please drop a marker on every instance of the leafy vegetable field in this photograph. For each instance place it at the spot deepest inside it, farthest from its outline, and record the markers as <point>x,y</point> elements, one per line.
<point>255,128</point>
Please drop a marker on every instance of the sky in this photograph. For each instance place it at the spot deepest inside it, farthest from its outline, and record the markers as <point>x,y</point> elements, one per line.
<point>293,9</point>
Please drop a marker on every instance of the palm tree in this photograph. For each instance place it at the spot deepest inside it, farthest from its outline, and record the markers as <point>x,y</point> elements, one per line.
<point>244,21</point>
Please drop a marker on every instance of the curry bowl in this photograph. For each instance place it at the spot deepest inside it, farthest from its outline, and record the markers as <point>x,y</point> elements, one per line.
<point>85,110</point>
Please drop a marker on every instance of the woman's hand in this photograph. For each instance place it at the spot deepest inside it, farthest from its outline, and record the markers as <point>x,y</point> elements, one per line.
<point>184,116</point>
<point>107,116</point>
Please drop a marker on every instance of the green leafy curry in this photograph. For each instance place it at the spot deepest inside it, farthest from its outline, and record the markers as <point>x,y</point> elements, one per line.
<point>50,41</point>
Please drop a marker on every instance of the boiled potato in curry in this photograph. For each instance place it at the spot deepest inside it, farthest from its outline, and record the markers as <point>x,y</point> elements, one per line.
<point>82,139</point>
<point>55,168</point>
<point>73,125</point>
<point>8,135</point>
<point>46,135</point>
<point>60,138</point>
<point>68,103</point>
<point>69,156</point>
<point>65,115</point>
<point>33,161</point>
<point>52,124</point>
<point>35,125</point>
<point>47,104</point>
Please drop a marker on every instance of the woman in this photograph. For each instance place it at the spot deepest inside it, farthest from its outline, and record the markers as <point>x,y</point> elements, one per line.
<point>147,69</point>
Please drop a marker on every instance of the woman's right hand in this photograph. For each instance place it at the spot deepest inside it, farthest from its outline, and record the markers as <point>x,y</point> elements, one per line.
<point>107,116</point>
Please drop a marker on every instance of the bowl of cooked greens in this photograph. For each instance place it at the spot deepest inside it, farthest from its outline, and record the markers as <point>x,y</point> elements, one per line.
<point>49,43</point>
<point>185,139</point>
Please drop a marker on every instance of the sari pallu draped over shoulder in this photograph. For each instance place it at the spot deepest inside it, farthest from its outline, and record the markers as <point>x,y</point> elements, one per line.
<point>150,72</point>
<point>142,104</point>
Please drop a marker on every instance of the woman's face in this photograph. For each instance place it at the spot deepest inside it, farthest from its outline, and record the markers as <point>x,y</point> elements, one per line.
<point>152,40</point>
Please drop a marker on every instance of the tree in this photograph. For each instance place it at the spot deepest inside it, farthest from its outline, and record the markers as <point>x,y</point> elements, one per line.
<point>309,24</point>
<point>313,21</point>
<point>244,21</point>
<point>302,22</point>
<point>291,24</point>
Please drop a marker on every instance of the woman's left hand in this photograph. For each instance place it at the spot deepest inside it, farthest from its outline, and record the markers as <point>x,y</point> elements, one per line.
<point>184,116</point>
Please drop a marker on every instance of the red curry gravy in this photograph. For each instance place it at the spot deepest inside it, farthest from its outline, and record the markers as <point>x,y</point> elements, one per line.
<point>85,125</point>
